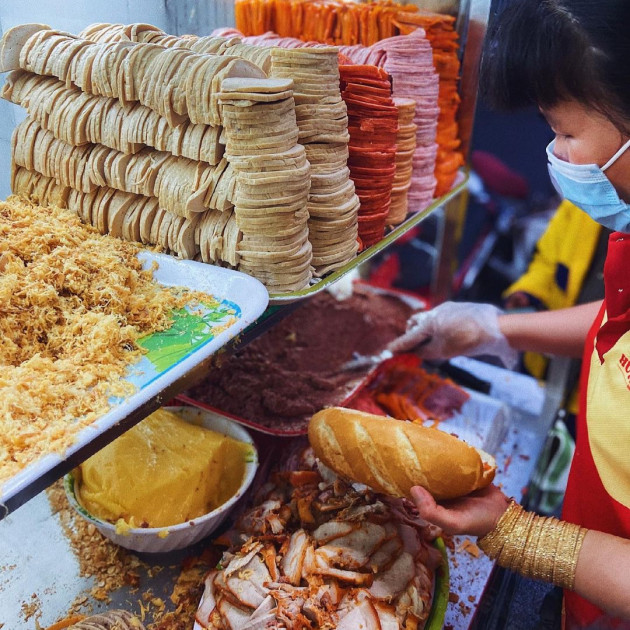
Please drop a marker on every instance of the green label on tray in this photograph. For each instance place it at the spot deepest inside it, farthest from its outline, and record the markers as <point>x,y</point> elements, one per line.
<point>191,328</point>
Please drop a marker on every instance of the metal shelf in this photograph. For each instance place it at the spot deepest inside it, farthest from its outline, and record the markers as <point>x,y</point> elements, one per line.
<point>389,239</point>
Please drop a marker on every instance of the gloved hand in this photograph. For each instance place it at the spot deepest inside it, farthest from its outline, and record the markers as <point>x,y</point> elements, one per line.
<point>456,328</point>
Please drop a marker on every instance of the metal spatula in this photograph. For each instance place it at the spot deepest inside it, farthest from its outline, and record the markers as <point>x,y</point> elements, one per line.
<point>360,361</point>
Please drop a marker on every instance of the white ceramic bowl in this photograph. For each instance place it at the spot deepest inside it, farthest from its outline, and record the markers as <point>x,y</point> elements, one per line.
<point>155,539</point>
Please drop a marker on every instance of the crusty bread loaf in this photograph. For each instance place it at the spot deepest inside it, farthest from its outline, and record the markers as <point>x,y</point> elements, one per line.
<point>392,456</point>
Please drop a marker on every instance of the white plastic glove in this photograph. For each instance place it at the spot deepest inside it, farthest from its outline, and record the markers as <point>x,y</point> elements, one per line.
<point>456,328</point>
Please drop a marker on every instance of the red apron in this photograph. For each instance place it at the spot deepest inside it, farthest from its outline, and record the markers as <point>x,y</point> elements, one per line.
<point>598,489</point>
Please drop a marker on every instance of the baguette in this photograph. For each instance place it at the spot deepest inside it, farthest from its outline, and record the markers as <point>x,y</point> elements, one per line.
<point>391,456</point>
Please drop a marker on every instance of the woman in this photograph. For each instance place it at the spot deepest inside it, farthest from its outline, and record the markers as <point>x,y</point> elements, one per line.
<point>572,59</point>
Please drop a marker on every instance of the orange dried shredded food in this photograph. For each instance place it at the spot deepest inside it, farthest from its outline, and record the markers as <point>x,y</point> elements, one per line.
<point>72,305</point>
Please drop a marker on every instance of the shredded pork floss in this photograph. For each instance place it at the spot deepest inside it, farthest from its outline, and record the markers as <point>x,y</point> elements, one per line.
<point>72,305</point>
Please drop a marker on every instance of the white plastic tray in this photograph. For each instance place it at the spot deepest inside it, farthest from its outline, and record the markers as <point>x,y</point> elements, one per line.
<point>172,354</point>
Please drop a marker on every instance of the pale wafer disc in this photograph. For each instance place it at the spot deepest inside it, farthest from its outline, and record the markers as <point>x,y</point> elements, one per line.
<point>277,281</point>
<point>272,211</point>
<point>302,173</point>
<point>270,255</point>
<point>335,252</point>
<point>262,187</point>
<point>243,85</point>
<point>231,238</point>
<point>182,237</point>
<point>235,152</point>
<point>131,222</point>
<point>330,195</point>
<point>268,199</point>
<point>295,157</point>
<point>251,111</point>
<point>254,134</point>
<point>119,205</point>
<point>326,269</point>
<point>256,241</point>
<point>147,217</point>
<point>165,226</point>
<point>343,194</point>
<point>154,237</point>
<point>298,264</point>
<point>235,68</point>
<point>249,99</point>
<point>336,255</point>
<point>209,234</point>
<point>325,180</point>
<point>268,220</point>
<point>318,54</point>
<point>270,229</point>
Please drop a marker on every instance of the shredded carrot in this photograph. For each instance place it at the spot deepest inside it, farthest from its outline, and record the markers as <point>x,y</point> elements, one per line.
<point>67,622</point>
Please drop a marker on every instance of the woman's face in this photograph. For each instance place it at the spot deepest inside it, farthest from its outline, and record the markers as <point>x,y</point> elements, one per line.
<point>585,136</point>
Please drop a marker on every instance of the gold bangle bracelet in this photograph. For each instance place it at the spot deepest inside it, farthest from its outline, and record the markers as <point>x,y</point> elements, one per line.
<point>531,544</point>
<point>512,555</point>
<point>493,541</point>
<point>543,548</point>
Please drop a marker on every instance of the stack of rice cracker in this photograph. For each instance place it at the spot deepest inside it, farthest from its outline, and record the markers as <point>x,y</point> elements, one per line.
<point>242,199</point>
<point>322,121</point>
<point>272,181</point>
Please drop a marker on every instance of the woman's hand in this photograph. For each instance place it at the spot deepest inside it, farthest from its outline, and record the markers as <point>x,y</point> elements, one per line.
<point>601,576</point>
<point>456,328</point>
<point>475,514</point>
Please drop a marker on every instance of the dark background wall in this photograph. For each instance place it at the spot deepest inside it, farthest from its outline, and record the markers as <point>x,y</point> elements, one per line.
<point>519,140</point>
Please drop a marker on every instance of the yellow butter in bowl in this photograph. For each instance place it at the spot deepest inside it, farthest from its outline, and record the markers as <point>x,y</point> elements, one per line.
<point>162,472</point>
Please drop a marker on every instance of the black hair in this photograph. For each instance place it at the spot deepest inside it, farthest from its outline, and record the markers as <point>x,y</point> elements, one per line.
<point>543,52</point>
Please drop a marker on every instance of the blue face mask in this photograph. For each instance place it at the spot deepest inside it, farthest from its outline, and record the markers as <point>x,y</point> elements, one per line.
<point>587,186</point>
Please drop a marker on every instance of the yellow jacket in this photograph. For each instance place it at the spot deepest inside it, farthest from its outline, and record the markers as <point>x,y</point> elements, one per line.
<point>563,256</point>
<point>557,271</point>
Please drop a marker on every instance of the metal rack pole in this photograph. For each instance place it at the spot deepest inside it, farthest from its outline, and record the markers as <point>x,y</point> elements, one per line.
<point>472,24</point>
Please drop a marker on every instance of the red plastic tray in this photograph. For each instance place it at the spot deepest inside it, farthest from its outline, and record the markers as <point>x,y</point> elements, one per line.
<point>344,396</point>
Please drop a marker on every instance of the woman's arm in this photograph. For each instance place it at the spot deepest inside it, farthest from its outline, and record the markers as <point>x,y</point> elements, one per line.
<point>601,574</point>
<point>455,328</point>
<point>560,332</point>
